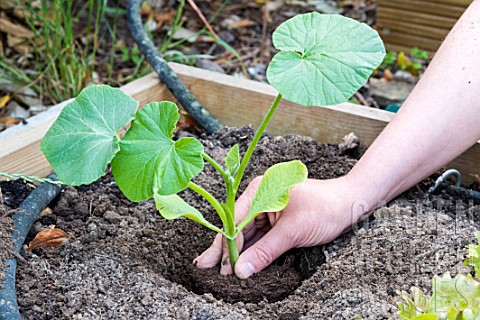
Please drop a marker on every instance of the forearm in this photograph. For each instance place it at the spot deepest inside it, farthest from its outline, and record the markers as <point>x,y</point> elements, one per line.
<point>439,120</point>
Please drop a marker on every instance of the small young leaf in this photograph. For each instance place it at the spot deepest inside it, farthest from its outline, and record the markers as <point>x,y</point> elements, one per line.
<point>172,207</point>
<point>273,192</point>
<point>473,255</point>
<point>149,158</point>
<point>232,161</point>
<point>460,292</point>
<point>324,59</point>
<point>83,139</point>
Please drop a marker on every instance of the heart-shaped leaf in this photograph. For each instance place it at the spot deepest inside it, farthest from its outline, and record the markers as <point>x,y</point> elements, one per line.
<point>172,207</point>
<point>273,193</point>
<point>84,139</point>
<point>324,59</point>
<point>149,158</point>
<point>232,161</point>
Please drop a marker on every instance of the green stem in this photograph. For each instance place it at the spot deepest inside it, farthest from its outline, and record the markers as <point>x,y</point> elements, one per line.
<point>211,199</point>
<point>230,228</point>
<point>255,140</point>
<point>232,252</point>
<point>216,166</point>
<point>30,178</point>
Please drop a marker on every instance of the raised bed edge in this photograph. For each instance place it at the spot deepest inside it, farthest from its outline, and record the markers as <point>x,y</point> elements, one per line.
<point>235,102</point>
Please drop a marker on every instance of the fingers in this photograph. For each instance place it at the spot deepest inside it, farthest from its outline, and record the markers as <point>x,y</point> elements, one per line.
<point>264,252</point>
<point>218,251</point>
<point>210,257</point>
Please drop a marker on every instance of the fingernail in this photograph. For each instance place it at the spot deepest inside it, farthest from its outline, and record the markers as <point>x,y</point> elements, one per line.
<point>245,270</point>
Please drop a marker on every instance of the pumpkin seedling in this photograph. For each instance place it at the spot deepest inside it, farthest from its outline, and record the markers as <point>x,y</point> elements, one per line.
<point>323,60</point>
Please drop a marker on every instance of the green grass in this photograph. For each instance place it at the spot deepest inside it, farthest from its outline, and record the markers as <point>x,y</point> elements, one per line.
<point>62,65</point>
<point>65,55</point>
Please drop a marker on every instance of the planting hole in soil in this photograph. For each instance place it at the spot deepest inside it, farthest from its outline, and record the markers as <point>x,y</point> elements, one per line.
<point>125,261</point>
<point>101,218</point>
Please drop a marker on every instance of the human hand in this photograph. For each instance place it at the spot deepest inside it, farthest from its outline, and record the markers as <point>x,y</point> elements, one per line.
<point>318,212</point>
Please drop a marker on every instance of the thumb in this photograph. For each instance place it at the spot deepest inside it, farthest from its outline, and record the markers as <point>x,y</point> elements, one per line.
<point>260,255</point>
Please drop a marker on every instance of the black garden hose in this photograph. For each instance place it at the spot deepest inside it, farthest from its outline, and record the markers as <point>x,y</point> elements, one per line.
<point>455,190</point>
<point>464,193</point>
<point>166,74</point>
<point>24,218</point>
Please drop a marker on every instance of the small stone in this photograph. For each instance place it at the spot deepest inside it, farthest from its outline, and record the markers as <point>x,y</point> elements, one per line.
<point>16,111</point>
<point>112,217</point>
<point>209,65</point>
<point>350,142</point>
<point>36,109</point>
<point>29,97</point>
<point>183,314</point>
<point>227,36</point>
<point>387,93</point>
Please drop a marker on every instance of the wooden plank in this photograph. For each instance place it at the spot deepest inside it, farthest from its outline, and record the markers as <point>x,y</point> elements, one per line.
<point>400,38</point>
<point>233,101</point>
<point>424,6</point>
<point>385,26</point>
<point>460,3</point>
<point>416,17</point>
<point>20,145</point>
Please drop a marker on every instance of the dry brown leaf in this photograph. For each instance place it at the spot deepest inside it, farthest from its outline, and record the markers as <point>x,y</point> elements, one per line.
<point>477,178</point>
<point>243,23</point>
<point>19,44</point>
<point>46,212</point>
<point>387,75</point>
<point>8,120</point>
<point>4,100</point>
<point>146,10</point>
<point>48,238</point>
<point>7,4</point>
<point>164,17</point>
<point>17,30</point>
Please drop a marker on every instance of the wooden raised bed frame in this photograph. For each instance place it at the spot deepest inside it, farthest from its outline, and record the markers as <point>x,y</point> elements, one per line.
<point>235,102</point>
<point>404,24</point>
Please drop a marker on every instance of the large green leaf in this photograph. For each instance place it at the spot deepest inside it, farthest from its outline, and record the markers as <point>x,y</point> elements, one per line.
<point>273,193</point>
<point>172,207</point>
<point>324,59</point>
<point>149,158</point>
<point>83,140</point>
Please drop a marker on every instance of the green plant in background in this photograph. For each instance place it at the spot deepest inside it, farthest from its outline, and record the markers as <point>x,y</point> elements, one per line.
<point>420,54</point>
<point>61,67</point>
<point>133,54</point>
<point>323,60</point>
<point>65,61</point>
<point>64,67</point>
<point>402,62</point>
<point>455,298</point>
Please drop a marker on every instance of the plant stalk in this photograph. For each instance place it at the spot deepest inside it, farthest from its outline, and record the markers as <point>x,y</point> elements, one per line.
<point>230,228</point>
<point>211,199</point>
<point>233,252</point>
<point>253,144</point>
<point>216,166</point>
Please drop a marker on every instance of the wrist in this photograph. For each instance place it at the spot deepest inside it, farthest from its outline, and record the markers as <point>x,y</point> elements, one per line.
<point>363,198</point>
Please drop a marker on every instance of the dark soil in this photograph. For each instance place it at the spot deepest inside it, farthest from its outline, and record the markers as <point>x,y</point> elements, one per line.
<point>125,262</point>
<point>11,196</point>
<point>6,228</point>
